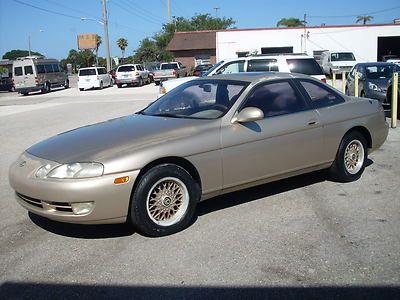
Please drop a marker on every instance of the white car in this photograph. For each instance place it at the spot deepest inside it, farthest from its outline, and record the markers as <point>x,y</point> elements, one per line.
<point>337,61</point>
<point>130,74</point>
<point>93,77</point>
<point>288,63</point>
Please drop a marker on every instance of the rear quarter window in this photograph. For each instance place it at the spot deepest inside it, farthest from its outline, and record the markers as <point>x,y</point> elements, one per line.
<point>320,95</point>
<point>304,66</point>
<point>40,69</point>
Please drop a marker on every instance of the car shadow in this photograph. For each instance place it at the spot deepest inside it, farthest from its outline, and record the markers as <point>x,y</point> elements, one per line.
<point>205,207</point>
<point>82,231</point>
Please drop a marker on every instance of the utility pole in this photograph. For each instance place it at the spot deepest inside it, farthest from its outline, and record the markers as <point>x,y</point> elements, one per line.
<point>216,11</point>
<point>305,34</point>
<point>105,21</point>
<point>169,11</point>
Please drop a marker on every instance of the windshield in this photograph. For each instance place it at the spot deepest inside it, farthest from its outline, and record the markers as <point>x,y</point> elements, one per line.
<point>212,69</point>
<point>342,56</point>
<point>307,66</point>
<point>198,99</point>
<point>126,69</point>
<point>169,66</point>
<point>381,72</point>
<point>87,72</point>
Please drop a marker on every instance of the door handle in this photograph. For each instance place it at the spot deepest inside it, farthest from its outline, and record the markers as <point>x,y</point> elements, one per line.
<point>312,122</point>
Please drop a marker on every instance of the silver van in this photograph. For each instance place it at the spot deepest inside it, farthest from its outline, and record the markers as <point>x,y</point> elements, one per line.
<point>34,73</point>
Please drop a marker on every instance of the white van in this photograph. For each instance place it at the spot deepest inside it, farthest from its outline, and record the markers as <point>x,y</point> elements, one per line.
<point>93,77</point>
<point>132,74</point>
<point>337,61</point>
<point>34,73</point>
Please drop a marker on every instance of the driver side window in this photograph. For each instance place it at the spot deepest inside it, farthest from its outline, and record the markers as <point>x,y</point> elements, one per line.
<point>275,99</point>
<point>232,67</point>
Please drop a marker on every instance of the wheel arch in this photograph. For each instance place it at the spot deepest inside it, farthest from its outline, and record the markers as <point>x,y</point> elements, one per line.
<point>365,132</point>
<point>179,161</point>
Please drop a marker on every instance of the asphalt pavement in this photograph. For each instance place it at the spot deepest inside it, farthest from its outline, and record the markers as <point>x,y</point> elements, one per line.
<point>300,238</point>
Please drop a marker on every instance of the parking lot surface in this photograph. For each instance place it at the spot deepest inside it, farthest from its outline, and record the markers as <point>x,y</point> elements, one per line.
<point>304,237</point>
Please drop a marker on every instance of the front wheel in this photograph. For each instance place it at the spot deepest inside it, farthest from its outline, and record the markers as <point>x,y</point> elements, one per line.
<point>350,159</point>
<point>164,200</point>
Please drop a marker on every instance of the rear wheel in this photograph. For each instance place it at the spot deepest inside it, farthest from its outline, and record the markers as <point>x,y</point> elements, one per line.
<point>119,85</point>
<point>46,88</point>
<point>140,83</point>
<point>157,82</point>
<point>101,85</point>
<point>164,200</point>
<point>350,159</point>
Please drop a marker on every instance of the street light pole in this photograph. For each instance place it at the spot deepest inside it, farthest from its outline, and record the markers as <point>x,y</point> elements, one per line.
<point>105,21</point>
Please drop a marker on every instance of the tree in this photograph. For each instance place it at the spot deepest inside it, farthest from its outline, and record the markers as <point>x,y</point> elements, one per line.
<point>122,44</point>
<point>364,19</point>
<point>14,54</point>
<point>290,22</point>
<point>99,41</point>
<point>154,48</point>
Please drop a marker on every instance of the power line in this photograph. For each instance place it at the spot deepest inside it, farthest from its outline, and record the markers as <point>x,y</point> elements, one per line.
<point>144,13</point>
<point>47,10</point>
<point>360,14</point>
<point>132,12</point>
<point>84,13</point>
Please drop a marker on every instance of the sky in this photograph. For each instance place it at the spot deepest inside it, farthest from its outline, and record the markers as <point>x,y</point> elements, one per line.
<point>53,25</point>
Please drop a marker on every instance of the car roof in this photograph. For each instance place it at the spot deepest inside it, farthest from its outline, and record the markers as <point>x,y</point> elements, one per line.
<point>274,56</point>
<point>256,76</point>
<point>378,63</point>
<point>87,68</point>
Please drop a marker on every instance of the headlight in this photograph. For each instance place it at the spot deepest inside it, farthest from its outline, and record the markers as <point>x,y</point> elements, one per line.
<point>374,87</point>
<point>73,170</point>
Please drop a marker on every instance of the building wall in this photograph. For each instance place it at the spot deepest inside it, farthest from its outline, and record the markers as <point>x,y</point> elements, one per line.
<point>361,40</point>
<point>187,57</point>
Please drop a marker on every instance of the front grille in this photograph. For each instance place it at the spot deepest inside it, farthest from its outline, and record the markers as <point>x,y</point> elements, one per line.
<point>58,206</point>
<point>31,201</point>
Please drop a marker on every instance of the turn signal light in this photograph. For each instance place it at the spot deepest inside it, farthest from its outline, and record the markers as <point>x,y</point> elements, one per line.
<point>120,180</point>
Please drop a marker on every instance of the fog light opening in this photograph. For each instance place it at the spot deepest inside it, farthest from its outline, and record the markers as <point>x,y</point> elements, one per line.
<point>82,208</point>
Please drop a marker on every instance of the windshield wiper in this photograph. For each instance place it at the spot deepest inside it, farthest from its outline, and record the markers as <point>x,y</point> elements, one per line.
<point>167,115</point>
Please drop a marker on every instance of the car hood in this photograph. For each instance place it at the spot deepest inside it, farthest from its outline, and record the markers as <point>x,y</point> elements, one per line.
<point>381,82</point>
<point>106,139</point>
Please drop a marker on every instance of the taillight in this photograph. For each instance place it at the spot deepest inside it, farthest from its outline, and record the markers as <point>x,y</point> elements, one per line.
<point>36,80</point>
<point>323,80</point>
<point>174,72</point>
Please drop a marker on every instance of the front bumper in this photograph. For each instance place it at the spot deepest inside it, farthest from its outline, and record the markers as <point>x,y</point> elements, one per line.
<point>381,96</point>
<point>52,198</point>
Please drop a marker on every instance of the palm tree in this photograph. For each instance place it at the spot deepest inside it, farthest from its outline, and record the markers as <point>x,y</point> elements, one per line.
<point>290,22</point>
<point>122,44</point>
<point>364,19</point>
<point>99,41</point>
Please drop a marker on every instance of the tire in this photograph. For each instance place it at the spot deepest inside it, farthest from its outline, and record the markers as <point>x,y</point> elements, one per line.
<point>140,83</point>
<point>145,210</point>
<point>46,89</point>
<point>66,84</point>
<point>119,85</point>
<point>25,94</point>
<point>350,159</point>
<point>101,85</point>
<point>81,89</point>
<point>362,94</point>
<point>157,82</point>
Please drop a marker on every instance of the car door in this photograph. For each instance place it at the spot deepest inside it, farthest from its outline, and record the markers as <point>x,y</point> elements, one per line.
<point>288,138</point>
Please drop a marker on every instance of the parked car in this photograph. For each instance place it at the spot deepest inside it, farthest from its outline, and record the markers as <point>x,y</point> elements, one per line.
<point>337,61</point>
<point>93,78</point>
<point>295,63</point>
<point>6,84</point>
<point>200,69</point>
<point>130,74</point>
<point>168,71</point>
<point>33,73</point>
<point>207,137</point>
<point>373,81</point>
<point>388,101</point>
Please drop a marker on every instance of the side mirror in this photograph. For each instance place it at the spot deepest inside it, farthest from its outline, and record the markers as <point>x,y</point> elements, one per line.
<point>249,114</point>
